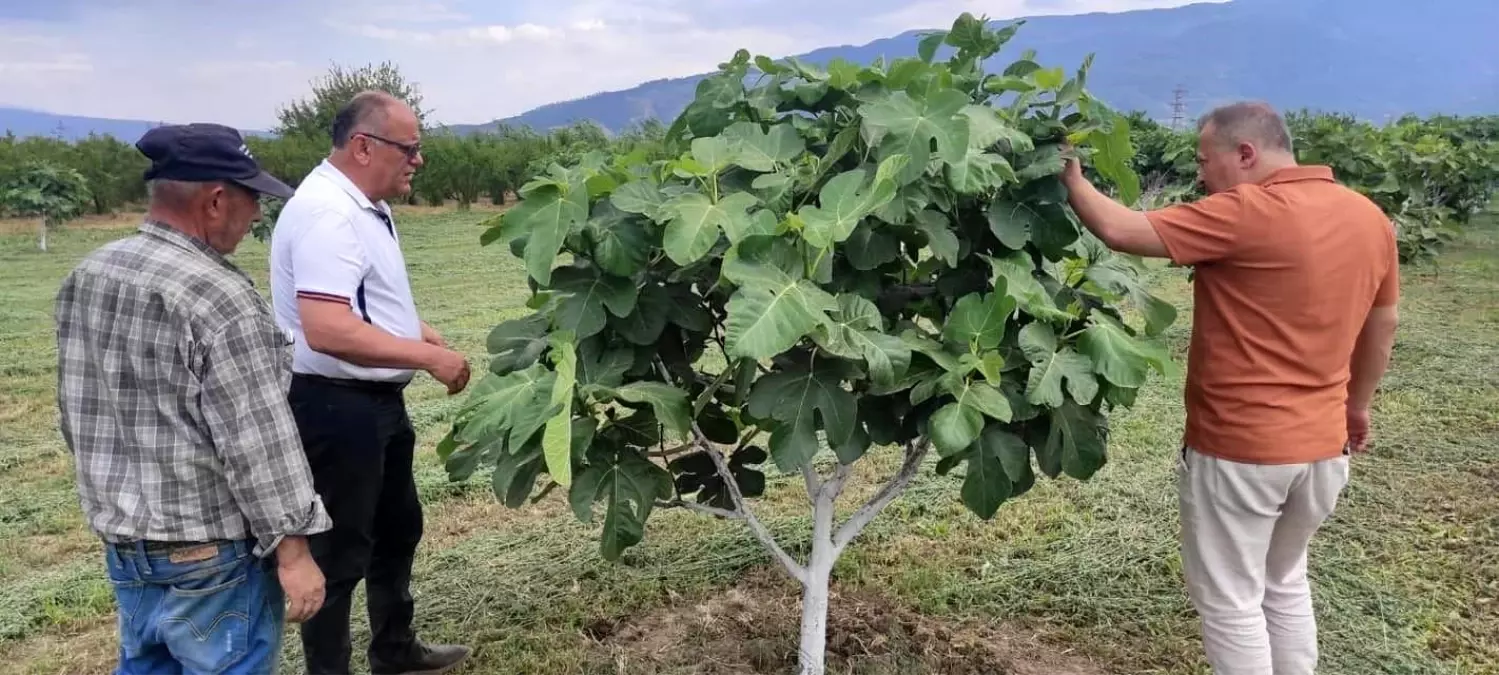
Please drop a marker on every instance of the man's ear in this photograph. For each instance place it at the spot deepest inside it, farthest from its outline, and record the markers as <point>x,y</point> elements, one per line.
<point>1248,155</point>
<point>217,200</point>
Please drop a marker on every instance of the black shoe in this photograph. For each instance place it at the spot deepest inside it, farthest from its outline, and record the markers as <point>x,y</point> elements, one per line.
<point>426,660</point>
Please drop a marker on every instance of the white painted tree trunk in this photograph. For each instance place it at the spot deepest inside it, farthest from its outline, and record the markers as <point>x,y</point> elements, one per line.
<point>44,236</point>
<point>827,543</point>
<point>815,587</point>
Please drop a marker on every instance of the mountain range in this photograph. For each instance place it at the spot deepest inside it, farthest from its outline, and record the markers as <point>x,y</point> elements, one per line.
<point>1372,58</point>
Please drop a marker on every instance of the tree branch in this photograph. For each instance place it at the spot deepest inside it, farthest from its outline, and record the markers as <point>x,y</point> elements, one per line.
<point>713,387</point>
<point>669,453</point>
<point>839,480</point>
<point>700,508</point>
<point>813,481</point>
<point>915,453</point>
<point>756,527</point>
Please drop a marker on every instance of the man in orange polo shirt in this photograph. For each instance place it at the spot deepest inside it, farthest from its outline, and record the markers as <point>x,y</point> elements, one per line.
<point>1294,317</point>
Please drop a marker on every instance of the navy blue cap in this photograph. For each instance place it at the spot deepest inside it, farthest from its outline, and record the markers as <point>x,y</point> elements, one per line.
<point>201,152</point>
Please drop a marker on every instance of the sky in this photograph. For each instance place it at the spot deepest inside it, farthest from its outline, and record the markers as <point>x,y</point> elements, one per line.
<point>236,62</point>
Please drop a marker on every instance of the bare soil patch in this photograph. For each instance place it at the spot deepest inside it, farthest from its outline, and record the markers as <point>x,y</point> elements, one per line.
<point>754,628</point>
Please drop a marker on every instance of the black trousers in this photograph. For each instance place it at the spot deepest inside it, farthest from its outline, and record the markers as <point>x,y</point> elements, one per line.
<point>359,444</point>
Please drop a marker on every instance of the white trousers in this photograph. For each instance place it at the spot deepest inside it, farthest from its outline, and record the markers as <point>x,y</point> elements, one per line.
<point>1245,530</point>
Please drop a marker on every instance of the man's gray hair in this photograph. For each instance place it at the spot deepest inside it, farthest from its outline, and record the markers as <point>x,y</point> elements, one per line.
<point>367,110</point>
<point>173,192</point>
<point>1248,121</point>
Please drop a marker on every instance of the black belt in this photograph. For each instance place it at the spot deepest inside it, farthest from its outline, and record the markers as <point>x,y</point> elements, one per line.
<point>376,386</point>
<point>160,546</point>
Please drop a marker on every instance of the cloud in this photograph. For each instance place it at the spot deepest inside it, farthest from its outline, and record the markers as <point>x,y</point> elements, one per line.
<point>65,63</point>
<point>213,69</point>
<point>412,11</point>
<point>474,60</point>
<point>484,34</point>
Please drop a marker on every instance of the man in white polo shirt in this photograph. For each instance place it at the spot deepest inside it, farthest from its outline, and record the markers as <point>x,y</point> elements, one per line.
<point>339,285</point>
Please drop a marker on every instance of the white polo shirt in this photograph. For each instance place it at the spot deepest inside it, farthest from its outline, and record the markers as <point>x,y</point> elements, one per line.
<point>331,242</point>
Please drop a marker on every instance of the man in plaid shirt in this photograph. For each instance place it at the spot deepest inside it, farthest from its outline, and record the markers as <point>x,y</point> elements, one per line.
<point>172,380</point>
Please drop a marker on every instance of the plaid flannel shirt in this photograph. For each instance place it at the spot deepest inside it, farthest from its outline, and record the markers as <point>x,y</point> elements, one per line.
<point>172,381</point>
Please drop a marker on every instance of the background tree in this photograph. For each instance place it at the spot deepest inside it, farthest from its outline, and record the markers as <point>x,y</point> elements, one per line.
<point>51,193</point>
<point>312,117</point>
<point>833,261</point>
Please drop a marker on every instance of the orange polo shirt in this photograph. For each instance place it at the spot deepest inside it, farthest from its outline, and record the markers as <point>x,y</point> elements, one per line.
<point>1286,272</point>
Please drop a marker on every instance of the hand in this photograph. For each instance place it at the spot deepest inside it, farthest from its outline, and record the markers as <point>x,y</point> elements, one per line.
<point>1072,170</point>
<point>1358,429</point>
<point>301,581</point>
<point>432,337</point>
<point>451,369</point>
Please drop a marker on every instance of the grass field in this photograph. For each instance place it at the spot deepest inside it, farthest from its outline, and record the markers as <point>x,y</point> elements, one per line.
<point>1072,578</point>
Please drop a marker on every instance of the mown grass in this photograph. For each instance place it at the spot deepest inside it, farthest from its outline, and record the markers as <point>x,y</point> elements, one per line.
<point>1406,574</point>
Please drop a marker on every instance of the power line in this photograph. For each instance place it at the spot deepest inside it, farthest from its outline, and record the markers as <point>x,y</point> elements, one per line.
<point>1178,107</point>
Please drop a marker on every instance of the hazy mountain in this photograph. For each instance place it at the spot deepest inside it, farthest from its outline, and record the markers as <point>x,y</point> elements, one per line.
<point>23,122</point>
<point>1371,58</point>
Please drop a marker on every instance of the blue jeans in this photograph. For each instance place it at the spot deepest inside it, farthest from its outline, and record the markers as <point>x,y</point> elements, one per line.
<point>215,609</point>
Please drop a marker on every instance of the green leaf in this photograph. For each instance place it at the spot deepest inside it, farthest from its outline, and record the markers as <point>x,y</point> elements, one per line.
<point>954,427</point>
<point>1015,456</point>
<point>1120,358</point>
<point>1040,163</point>
<point>982,397</point>
<point>1012,221</point>
<point>621,243</point>
<point>986,484</point>
<point>1113,154</point>
<point>771,311</point>
<point>842,206</point>
<point>798,400</point>
<point>853,331</point>
<point>517,343</point>
<point>759,150</point>
<point>979,172</point>
<point>687,309</point>
<point>779,252</point>
<point>714,153</point>
<point>1050,366</point>
<point>585,295</point>
<point>639,196</point>
<point>515,474</point>
<point>600,366</point>
<point>912,126</point>
<point>867,247</point>
<point>545,218</point>
<point>644,325</point>
<point>840,146</point>
<point>1077,438</point>
<point>926,48</point>
<point>696,222</point>
<point>931,349</point>
<point>506,405</point>
<point>629,486</point>
<point>1117,275</point>
<point>557,439</point>
<point>1050,78</point>
<point>979,319</point>
<point>762,223</point>
<point>986,128</point>
<point>1014,276</point>
<point>939,234</point>
<point>999,84</point>
<point>669,404</point>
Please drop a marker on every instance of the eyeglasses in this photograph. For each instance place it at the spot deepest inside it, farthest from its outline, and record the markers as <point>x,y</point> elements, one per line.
<point>411,149</point>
